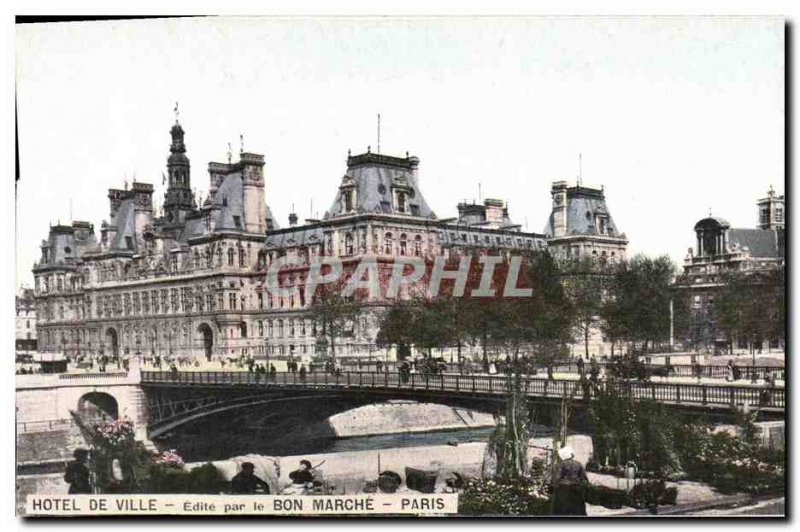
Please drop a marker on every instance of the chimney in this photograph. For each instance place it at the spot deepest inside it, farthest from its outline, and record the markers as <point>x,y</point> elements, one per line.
<point>292,219</point>
<point>559,193</point>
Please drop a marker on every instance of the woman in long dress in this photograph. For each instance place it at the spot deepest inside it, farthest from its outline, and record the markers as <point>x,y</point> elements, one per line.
<point>570,485</point>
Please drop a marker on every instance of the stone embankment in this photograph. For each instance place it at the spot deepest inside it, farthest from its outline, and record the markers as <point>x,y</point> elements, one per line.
<point>394,417</point>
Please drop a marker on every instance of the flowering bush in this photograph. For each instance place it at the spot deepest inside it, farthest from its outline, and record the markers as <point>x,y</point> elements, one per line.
<point>525,496</point>
<point>115,433</point>
<point>169,458</point>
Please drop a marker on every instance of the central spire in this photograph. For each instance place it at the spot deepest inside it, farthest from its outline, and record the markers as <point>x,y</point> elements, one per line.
<point>178,199</point>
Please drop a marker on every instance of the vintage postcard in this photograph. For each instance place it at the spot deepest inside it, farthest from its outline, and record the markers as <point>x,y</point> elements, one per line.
<point>401,266</point>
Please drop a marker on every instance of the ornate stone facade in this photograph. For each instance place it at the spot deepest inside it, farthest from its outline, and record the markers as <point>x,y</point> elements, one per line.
<point>192,281</point>
<point>182,283</point>
<point>721,249</point>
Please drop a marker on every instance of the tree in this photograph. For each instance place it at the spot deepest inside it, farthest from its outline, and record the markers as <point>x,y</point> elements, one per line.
<point>585,283</point>
<point>752,305</point>
<point>333,313</point>
<point>637,309</point>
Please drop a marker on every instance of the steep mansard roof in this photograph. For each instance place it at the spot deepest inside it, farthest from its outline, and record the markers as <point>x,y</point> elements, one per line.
<point>68,243</point>
<point>374,176</point>
<point>583,204</point>
<point>762,243</point>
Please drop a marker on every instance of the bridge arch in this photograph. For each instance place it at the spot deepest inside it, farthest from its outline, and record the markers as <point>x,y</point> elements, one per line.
<point>98,405</point>
<point>205,336</point>
<point>168,409</point>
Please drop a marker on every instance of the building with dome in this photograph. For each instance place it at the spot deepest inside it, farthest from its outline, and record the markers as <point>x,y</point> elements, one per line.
<point>721,249</point>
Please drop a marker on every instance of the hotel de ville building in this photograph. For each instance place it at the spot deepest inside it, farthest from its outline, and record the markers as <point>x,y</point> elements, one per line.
<point>189,281</point>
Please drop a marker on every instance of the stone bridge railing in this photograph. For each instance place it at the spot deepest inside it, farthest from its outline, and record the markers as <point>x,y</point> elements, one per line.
<point>698,395</point>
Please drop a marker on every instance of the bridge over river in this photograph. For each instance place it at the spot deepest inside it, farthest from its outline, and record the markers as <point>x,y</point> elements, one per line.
<point>175,398</point>
<point>161,401</point>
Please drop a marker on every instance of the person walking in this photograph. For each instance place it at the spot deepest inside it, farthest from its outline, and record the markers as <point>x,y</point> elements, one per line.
<point>77,474</point>
<point>570,485</point>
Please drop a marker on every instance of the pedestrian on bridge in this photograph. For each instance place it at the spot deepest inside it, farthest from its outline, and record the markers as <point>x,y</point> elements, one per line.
<point>729,376</point>
<point>272,371</point>
<point>302,373</point>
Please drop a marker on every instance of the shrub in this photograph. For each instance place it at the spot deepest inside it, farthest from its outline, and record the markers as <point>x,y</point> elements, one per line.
<point>525,496</point>
<point>206,479</point>
<point>652,493</point>
<point>604,496</point>
<point>729,463</point>
<point>162,478</point>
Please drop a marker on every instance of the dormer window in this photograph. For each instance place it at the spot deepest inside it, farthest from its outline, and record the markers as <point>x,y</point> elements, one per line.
<point>402,206</point>
<point>349,199</point>
<point>348,194</point>
<point>601,225</point>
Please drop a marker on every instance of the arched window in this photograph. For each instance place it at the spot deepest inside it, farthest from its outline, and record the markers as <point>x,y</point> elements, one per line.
<point>403,244</point>
<point>208,258</point>
<point>418,245</point>
<point>241,256</point>
<point>230,256</point>
<point>348,244</point>
<point>387,243</point>
<point>196,259</point>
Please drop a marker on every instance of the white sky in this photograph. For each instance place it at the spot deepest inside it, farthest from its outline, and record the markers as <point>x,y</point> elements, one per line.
<point>673,115</point>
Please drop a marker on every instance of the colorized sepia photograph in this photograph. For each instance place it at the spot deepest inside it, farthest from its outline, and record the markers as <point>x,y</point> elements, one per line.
<point>401,266</point>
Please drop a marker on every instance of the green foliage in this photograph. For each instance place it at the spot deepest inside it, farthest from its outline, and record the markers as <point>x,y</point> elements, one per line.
<point>523,496</point>
<point>752,305</point>
<point>729,463</point>
<point>508,444</point>
<point>206,479</point>
<point>639,431</point>
<point>164,478</point>
<point>333,313</point>
<point>637,308</point>
<point>585,282</point>
<point>652,493</point>
<point>607,497</point>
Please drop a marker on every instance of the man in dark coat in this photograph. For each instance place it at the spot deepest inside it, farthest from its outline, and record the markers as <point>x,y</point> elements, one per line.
<point>246,482</point>
<point>570,484</point>
<point>77,474</point>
